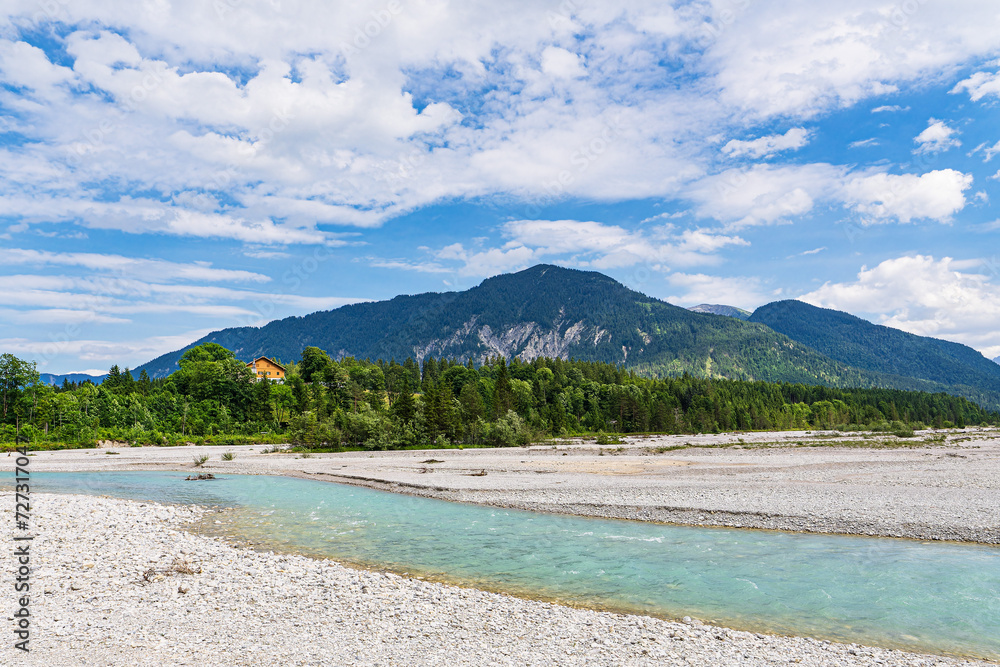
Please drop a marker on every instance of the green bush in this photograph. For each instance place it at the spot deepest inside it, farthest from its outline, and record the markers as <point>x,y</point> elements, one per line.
<point>608,439</point>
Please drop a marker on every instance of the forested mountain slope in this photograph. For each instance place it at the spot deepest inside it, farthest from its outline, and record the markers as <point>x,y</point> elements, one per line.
<point>843,337</point>
<point>554,312</point>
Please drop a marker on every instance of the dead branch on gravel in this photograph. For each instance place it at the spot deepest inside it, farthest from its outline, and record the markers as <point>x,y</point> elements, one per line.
<point>179,566</point>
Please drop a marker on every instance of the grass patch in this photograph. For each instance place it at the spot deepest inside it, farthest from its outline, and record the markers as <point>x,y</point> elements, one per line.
<point>666,448</point>
<point>200,460</point>
<point>228,456</point>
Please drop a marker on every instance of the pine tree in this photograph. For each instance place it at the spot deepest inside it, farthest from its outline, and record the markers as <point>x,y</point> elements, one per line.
<point>145,384</point>
<point>503,395</point>
<point>404,408</point>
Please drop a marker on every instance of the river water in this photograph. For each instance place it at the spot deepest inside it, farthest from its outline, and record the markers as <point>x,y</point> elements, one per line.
<point>930,597</point>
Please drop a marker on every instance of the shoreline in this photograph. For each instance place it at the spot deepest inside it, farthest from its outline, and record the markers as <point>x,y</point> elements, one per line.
<point>235,605</point>
<point>787,481</point>
<point>668,516</point>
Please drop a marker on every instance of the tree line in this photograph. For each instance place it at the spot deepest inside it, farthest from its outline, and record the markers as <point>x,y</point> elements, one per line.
<point>329,403</point>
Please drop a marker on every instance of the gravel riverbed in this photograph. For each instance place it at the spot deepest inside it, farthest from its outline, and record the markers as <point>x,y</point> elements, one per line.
<point>92,606</point>
<point>118,582</point>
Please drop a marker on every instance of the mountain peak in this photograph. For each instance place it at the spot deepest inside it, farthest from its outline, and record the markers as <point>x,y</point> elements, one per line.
<point>719,309</point>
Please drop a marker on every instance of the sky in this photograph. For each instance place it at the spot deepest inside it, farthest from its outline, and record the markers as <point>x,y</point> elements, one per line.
<point>173,167</point>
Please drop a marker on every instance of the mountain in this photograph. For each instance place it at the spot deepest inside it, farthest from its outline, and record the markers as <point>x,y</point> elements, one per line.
<point>53,379</point>
<point>541,311</point>
<point>952,367</point>
<point>996,360</point>
<point>557,312</point>
<point>718,309</point>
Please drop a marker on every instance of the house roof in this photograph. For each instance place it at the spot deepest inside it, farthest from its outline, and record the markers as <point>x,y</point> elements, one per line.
<point>268,360</point>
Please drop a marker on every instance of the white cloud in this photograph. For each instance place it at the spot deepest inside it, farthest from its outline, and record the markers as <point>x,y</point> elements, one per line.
<point>209,103</point>
<point>95,350</point>
<point>745,292</point>
<point>979,85</point>
<point>806,253</point>
<point>937,137</point>
<point>788,58</point>
<point>582,244</point>
<point>990,151</point>
<point>127,266</point>
<point>864,143</point>
<point>765,194</point>
<point>889,107</point>
<point>562,64</point>
<point>936,195</point>
<point>793,139</point>
<point>601,246</point>
<point>929,297</point>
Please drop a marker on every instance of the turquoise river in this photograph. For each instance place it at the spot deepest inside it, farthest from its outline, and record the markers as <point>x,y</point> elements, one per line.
<point>930,597</point>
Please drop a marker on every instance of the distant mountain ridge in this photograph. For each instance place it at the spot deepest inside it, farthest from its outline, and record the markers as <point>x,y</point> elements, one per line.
<point>557,312</point>
<point>843,337</point>
<point>55,379</point>
<point>719,309</point>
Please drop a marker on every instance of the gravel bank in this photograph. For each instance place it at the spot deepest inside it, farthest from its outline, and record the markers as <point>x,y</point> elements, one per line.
<point>90,605</point>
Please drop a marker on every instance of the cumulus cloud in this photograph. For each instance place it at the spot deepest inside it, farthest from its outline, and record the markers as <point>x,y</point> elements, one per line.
<point>944,298</point>
<point>793,139</point>
<point>562,64</point>
<point>765,194</point>
<point>937,137</point>
<point>936,195</point>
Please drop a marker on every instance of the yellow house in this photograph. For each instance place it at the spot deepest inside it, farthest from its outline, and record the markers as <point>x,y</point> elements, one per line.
<point>263,368</point>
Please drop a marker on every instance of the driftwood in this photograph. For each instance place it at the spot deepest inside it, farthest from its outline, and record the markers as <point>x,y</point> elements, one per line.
<point>206,475</point>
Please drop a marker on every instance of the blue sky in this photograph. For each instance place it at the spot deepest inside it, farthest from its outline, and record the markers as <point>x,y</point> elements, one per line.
<point>172,168</point>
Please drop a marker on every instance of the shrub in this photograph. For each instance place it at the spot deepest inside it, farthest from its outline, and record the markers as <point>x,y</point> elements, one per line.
<point>200,460</point>
<point>608,439</point>
<point>228,456</point>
